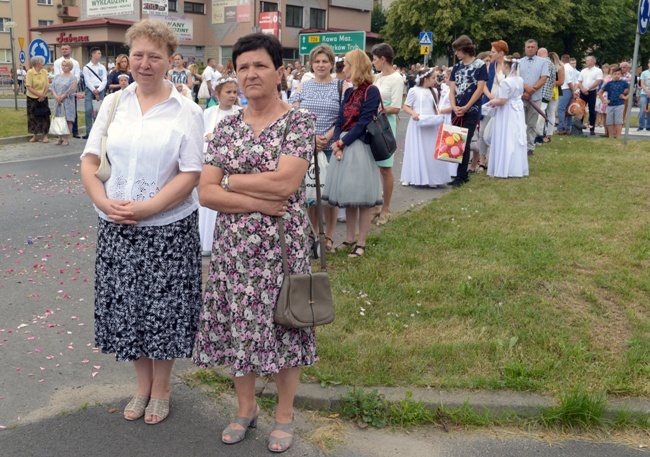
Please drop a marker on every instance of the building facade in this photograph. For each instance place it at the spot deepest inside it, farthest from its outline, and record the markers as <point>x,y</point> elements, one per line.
<point>206,28</point>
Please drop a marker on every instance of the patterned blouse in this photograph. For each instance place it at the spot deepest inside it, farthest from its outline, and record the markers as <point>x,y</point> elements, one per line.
<point>359,106</point>
<point>322,99</point>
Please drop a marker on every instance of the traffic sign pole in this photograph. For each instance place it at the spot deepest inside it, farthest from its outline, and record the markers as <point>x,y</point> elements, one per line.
<point>643,18</point>
<point>13,56</point>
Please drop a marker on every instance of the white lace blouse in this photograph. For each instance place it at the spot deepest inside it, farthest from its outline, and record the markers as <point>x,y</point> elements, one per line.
<point>147,151</point>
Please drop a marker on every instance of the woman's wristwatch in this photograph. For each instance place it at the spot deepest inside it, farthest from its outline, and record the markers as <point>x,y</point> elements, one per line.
<point>224,183</point>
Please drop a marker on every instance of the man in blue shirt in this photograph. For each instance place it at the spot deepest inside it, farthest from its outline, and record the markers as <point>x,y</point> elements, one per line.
<point>534,71</point>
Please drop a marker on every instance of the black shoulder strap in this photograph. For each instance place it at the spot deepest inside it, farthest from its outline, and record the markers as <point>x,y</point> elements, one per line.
<point>339,85</point>
<point>91,70</point>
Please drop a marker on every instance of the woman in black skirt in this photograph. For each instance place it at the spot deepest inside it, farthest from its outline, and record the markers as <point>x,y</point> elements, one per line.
<point>148,265</point>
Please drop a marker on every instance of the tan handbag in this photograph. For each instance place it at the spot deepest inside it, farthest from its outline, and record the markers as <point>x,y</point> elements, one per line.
<point>305,300</point>
<point>104,170</point>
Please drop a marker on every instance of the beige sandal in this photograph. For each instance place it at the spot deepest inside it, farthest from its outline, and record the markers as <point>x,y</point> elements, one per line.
<point>137,405</point>
<point>158,408</point>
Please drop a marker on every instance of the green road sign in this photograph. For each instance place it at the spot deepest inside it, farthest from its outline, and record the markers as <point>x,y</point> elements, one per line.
<point>341,42</point>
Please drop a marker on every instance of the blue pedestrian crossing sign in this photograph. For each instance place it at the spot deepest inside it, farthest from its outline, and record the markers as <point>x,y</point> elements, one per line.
<point>644,16</point>
<point>39,47</point>
<point>426,38</point>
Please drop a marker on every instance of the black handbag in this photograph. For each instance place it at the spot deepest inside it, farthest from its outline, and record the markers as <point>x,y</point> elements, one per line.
<point>42,109</point>
<point>305,300</point>
<point>382,139</point>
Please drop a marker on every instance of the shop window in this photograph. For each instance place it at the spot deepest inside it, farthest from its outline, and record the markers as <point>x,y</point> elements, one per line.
<point>172,5</point>
<point>194,8</point>
<point>268,7</point>
<point>316,18</point>
<point>293,17</point>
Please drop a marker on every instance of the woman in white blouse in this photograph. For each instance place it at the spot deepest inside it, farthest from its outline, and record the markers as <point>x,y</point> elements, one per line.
<point>148,262</point>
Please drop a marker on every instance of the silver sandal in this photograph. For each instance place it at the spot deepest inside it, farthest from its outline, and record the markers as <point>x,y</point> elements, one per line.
<point>237,435</point>
<point>286,442</point>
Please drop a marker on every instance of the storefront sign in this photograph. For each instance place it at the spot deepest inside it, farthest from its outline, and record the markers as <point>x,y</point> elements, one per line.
<point>103,8</point>
<point>184,27</point>
<point>71,39</point>
<point>228,11</point>
<point>271,23</point>
<point>155,7</point>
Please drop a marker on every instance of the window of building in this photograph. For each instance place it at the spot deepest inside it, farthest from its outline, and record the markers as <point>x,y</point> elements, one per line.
<point>44,2</point>
<point>5,55</point>
<point>293,18</point>
<point>194,8</point>
<point>226,54</point>
<point>3,22</point>
<point>290,55</point>
<point>267,7</point>
<point>42,23</point>
<point>172,5</point>
<point>316,18</point>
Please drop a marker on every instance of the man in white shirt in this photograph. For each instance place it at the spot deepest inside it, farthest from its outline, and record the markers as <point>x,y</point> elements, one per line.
<point>644,80</point>
<point>569,86</point>
<point>95,77</point>
<point>66,54</point>
<point>210,77</point>
<point>590,78</point>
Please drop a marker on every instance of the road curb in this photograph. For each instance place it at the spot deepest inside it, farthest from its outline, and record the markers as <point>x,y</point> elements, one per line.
<point>314,396</point>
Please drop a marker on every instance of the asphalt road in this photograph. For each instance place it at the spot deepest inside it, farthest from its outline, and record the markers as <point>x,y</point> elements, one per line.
<point>59,396</point>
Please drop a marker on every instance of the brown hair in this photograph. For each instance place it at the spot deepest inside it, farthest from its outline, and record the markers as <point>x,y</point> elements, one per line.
<point>464,43</point>
<point>384,50</point>
<point>322,49</point>
<point>500,46</point>
<point>361,67</point>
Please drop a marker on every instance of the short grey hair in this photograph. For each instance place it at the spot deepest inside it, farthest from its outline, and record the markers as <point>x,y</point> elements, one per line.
<point>36,60</point>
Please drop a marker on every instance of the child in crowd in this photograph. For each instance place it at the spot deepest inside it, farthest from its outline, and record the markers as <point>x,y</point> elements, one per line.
<point>508,150</point>
<point>419,167</point>
<point>617,91</point>
<point>226,91</point>
<point>123,81</point>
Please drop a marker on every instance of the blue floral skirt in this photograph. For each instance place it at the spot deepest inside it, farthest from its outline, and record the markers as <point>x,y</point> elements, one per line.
<point>147,289</point>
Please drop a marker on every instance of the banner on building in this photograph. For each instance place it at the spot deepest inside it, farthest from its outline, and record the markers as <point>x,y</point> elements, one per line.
<point>229,11</point>
<point>184,27</point>
<point>103,8</point>
<point>155,7</point>
<point>271,23</point>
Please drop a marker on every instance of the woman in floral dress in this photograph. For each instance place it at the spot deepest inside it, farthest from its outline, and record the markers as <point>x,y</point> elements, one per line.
<point>253,176</point>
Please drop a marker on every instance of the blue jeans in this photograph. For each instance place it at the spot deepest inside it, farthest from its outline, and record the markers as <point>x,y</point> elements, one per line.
<point>88,107</point>
<point>644,118</point>
<point>564,122</point>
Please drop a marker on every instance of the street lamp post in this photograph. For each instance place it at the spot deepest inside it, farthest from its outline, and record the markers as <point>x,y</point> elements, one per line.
<point>11,24</point>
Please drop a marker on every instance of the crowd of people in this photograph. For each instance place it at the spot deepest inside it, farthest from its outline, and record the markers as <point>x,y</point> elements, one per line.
<point>227,180</point>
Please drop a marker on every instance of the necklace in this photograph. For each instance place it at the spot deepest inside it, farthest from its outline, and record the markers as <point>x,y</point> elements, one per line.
<point>267,122</point>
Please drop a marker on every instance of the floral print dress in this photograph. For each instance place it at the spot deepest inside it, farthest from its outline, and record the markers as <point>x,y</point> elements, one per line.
<point>236,323</point>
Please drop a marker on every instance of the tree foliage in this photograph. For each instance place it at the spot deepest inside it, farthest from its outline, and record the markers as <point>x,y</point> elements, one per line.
<point>605,28</point>
<point>377,19</point>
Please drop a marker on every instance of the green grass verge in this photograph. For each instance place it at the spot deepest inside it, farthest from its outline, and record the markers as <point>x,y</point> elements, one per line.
<point>537,284</point>
<point>14,122</point>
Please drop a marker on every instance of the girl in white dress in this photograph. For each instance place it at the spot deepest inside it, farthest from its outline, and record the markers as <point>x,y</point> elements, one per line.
<point>508,154</point>
<point>226,92</point>
<point>419,167</point>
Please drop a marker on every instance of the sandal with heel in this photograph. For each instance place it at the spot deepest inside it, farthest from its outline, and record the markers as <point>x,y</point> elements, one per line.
<point>238,435</point>
<point>285,442</point>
